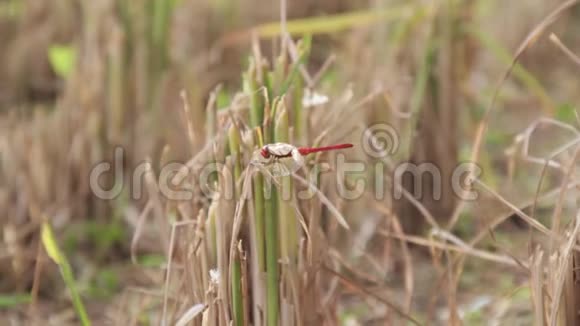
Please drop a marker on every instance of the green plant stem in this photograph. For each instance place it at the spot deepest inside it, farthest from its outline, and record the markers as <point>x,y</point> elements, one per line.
<point>234,146</point>
<point>259,218</point>
<point>252,89</point>
<point>288,227</point>
<point>271,239</point>
<point>256,120</point>
<point>237,298</point>
<point>271,225</point>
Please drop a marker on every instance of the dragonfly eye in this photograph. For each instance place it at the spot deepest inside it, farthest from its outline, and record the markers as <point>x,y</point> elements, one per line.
<point>265,153</point>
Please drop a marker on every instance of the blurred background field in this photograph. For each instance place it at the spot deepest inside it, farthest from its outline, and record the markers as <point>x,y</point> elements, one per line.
<point>207,82</point>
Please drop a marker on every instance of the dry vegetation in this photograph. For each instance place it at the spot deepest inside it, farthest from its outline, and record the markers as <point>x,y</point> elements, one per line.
<point>207,82</point>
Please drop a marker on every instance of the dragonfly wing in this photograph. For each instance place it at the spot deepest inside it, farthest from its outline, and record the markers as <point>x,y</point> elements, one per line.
<point>269,166</point>
<point>284,167</point>
<point>279,169</point>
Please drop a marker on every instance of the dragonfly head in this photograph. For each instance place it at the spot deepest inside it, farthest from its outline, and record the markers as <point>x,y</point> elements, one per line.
<point>264,152</point>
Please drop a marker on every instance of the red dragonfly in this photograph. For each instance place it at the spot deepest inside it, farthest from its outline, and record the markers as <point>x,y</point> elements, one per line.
<point>283,159</point>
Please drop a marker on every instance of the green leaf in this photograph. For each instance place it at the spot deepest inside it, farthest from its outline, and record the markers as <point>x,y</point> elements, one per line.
<point>566,113</point>
<point>15,299</point>
<point>50,244</point>
<point>223,99</point>
<point>62,59</point>
<point>51,247</point>
<point>151,260</point>
<point>497,138</point>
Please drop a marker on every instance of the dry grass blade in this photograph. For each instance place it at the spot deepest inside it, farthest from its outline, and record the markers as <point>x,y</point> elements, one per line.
<point>465,249</point>
<point>335,212</point>
<point>537,285</point>
<point>138,230</point>
<point>534,223</point>
<point>353,285</point>
<point>410,197</point>
<point>407,260</point>
<point>354,269</point>
<point>556,216</point>
<point>524,139</point>
<point>168,275</point>
<point>562,270</point>
<point>156,202</point>
<point>304,226</point>
<point>544,171</point>
<point>325,66</point>
<point>190,314</point>
<point>565,49</point>
<point>170,250</point>
<point>482,127</point>
<point>202,156</point>
<point>238,216</point>
<point>223,239</point>
<point>189,123</point>
<point>211,113</point>
<point>502,218</point>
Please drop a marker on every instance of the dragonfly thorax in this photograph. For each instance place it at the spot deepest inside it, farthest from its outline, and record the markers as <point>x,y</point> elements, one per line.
<point>277,150</point>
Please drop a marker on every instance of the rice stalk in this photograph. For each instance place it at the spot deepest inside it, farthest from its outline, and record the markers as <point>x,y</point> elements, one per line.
<point>289,79</point>
<point>224,218</point>
<point>271,220</point>
<point>288,227</point>
<point>278,74</point>
<point>271,240</point>
<point>234,147</point>
<point>257,223</point>
<point>251,88</point>
<point>236,273</point>
<point>237,300</point>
